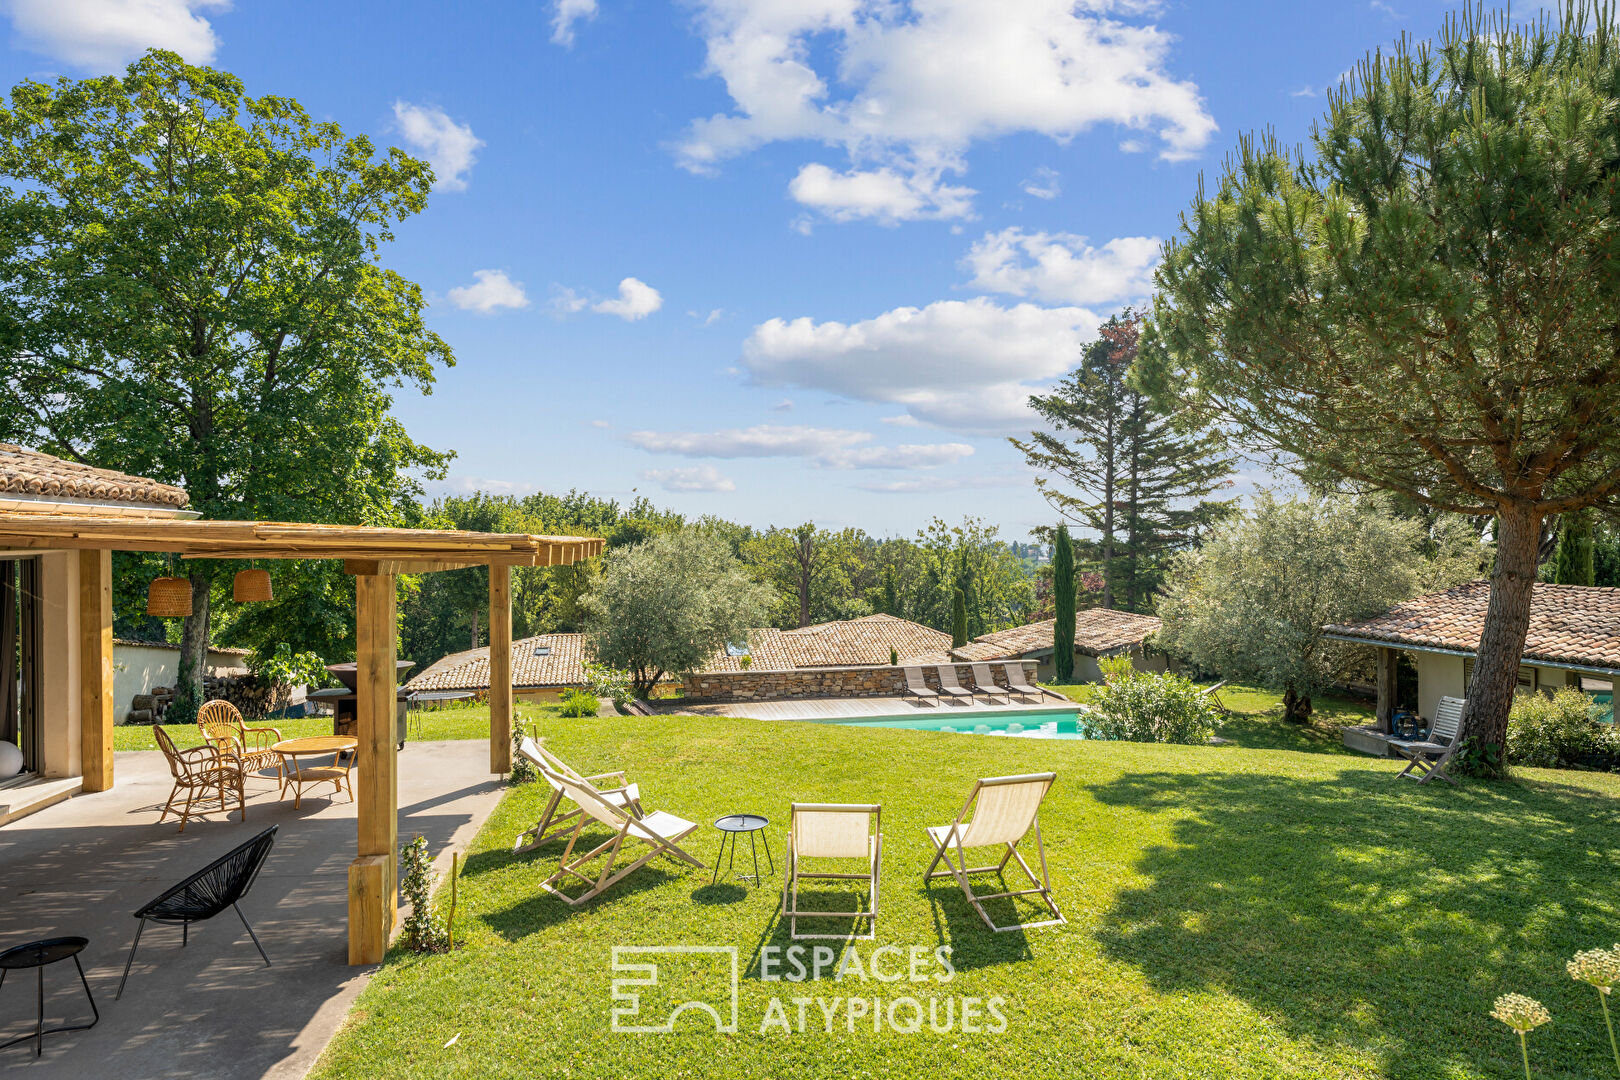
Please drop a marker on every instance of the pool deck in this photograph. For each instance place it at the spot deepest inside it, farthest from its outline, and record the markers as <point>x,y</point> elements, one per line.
<point>860,708</point>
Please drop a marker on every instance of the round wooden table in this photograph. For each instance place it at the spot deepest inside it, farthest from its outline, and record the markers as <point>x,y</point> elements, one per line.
<point>337,773</point>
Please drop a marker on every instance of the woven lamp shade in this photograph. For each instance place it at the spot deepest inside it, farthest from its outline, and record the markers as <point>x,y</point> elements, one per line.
<point>168,597</point>
<point>251,587</point>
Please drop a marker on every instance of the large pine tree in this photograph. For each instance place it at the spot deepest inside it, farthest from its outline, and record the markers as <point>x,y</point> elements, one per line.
<point>1134,469</point>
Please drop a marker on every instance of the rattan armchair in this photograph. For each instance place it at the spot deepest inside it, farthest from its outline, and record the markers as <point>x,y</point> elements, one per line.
<point>222,725</point>
<point>201,775</point>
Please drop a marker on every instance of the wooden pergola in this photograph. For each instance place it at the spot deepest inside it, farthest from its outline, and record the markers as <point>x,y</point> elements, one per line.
<point>374,556</point>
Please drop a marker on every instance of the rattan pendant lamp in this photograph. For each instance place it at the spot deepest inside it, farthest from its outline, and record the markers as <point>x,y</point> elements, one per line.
<point>252,586</point>
<point>168,598</point>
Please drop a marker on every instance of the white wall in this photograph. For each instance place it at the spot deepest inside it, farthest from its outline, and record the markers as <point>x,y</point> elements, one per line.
<point>138,668</point>
<point>1438,676</point>
<point>59,664</point>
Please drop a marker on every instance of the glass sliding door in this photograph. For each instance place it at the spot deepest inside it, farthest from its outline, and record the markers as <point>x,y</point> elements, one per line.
<point>19,658</point>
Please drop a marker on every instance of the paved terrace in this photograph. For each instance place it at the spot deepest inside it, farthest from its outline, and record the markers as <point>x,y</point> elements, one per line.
<point>854,708</point>
<point>213,1009</point>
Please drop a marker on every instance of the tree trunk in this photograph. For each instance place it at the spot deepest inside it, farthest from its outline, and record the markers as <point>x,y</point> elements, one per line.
<point>194,635</point>
<point>1507,621</point>
<point>1296,708</point>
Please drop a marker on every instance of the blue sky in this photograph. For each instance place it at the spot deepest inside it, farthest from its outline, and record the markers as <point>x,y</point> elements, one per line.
<point>776,260</point>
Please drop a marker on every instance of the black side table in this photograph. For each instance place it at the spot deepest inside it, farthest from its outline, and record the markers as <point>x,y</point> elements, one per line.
<point>39,955</point>
<point>729,827</point>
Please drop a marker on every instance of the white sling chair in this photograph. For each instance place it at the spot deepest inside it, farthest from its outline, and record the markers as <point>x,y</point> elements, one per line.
<point>1428,759</point>
<point>662,833</point>
<point>1007,810</point>
<point>832,831</point>
<point>553,824</point>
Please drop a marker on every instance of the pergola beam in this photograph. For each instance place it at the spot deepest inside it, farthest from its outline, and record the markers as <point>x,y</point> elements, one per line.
<point>373,875</point>
<point>500,670</point>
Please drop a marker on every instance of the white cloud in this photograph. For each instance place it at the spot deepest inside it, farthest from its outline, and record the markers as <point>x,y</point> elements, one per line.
<point>709,319</point>
<point>1062,268</point>
<point>565,14</point>
<point>696,478</point>
<point>600,424</point>
<point>1044,184</point>
<point>636,300</point>
<point>903,420</point>
<point>565,301</point>
<point>785,405</point>
<point>928,484</point>
<point>969,365</point>
<point>1304,91</point>
<point>833,448</point>
<point>451,148</point>
<point>909,85</point>
<point>467,485</point>
<point>884,195</point>
<point>490,291</point>
<point>105,34</point>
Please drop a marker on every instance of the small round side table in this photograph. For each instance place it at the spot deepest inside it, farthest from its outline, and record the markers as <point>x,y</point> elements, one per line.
<point>40,955</point>
<point>730,826</point>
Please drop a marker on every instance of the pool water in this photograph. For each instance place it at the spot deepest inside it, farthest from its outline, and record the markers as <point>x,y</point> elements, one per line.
<point>1025,724</point>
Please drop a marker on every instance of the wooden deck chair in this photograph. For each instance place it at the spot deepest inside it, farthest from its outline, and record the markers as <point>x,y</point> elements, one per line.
<point>661,832</point>
<point>1427,759</point>
<point>832,831</point>
<point>948,683</point>
<point>984,682</point>
<point>917,685</point>
<point>1213,693</point>
<point>553,824</point>
<point>1005,809</point>
<point>1017,685</point>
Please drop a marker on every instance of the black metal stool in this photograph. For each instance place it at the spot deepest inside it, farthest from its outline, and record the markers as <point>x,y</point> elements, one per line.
<point>41,954</point>
<point>729,827</point>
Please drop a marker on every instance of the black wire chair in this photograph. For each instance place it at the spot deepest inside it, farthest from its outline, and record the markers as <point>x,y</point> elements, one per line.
<point>209,891</point>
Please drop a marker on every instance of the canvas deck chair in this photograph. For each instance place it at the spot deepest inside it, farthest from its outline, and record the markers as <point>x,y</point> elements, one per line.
<point>917,685</point>
<point>660,831</point>
<point>1005,810</point>
<point>984,682</point>
<point>1017,685</point>
<point>553,824</point>
<point>1427,759</point>
<point>832,831</point>
<point>948,683</point>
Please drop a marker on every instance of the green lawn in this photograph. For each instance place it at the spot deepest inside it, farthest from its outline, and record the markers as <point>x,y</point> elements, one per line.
<point>1232,912</point>
<point>449,722</point>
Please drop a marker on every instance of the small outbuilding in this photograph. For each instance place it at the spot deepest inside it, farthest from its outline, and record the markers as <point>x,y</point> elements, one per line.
<point>1098,632</point>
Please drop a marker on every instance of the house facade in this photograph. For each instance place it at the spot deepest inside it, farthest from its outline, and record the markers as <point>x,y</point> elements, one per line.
<point>1098,632</point>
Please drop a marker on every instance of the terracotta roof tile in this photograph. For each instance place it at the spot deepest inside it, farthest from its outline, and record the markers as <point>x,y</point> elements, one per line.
<point>1097,631</point>
<point>469,670</point>
<point>28,472</point>
<point>1569,624</point>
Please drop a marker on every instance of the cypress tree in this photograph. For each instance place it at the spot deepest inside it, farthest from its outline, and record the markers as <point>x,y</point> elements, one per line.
<point>1063,601</point>
<point>1574,563</point>
<point>959,628</point>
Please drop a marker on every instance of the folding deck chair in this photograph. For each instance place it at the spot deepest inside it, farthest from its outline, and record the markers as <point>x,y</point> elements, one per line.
<point>1017,685</point>
<point>984,682</point>
<point>917,685</point>
<point>948,683</point>
<point>553,824</point>
<point>1427,759</point>
<point>1005,810</point>
<point>832,831</point>
<point>662,832</point>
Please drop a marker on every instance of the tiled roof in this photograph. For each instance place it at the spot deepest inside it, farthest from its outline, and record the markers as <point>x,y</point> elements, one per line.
<point>1097,631</point>
<point>1569,624</point>
<point>469,670</point>
<point>28,472</point>
<point>225,650</point>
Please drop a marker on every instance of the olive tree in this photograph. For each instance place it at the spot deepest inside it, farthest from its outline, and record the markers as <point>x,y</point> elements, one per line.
<point>1427,300</point>
<point>668,604</point>
<point>1252,602</point>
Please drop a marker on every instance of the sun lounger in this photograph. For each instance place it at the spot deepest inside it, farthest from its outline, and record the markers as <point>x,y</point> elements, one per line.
<point>553,824</point>
<point>984,682</point>
<point>660,831</point>
<point>917,685</point>
<point>948,683</point>
<point>832,831</point>
<point>1017,685</point>
<point>1005,810</point>
<point>1427,759</point>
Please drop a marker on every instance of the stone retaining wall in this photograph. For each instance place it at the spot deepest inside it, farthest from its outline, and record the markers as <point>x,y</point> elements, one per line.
<point>868,681</point>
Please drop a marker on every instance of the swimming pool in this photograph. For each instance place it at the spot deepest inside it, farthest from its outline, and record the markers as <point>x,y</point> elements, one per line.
<point>1023,724</point>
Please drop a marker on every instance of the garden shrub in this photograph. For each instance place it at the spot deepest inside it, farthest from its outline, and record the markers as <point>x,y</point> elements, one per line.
<point>606,682</point>
<point>424,932</point>
<point>1150,707</point>
<point>523,770</point>
<point>1556,732</point>
<point>580,703</point>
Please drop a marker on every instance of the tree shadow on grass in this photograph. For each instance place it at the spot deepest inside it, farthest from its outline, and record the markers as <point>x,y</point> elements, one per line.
<point>1384,916</point>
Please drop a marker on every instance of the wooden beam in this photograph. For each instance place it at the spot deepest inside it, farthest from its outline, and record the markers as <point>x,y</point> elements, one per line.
<point>96,669</point>
<point>401,566</point>
<point>500,670</point>
<point>372,877</point>
<point>1386,688</point>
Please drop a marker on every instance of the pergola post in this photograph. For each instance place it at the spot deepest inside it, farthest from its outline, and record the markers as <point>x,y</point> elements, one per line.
<point>372,876</point>
<point>1386,688</point>
<point>500,669</point>
<point>96,670</point>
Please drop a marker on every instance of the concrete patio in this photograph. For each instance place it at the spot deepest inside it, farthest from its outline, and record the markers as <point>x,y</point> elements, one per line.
<point>212,1009</point>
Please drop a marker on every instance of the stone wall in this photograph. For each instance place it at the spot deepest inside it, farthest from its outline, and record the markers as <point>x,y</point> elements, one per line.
<point>868,681</point>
